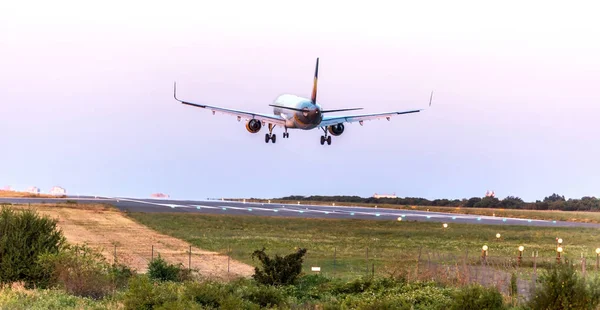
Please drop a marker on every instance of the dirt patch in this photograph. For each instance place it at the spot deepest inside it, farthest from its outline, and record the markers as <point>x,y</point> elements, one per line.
<point>104,227</point>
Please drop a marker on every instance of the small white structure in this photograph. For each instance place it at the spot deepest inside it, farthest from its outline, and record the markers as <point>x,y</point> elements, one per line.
<point>385,195</point>
<point>8,188</point>
<point>490,194</point>
<point>159,195</point>
<point>57,190</point>
<point>33,190</point>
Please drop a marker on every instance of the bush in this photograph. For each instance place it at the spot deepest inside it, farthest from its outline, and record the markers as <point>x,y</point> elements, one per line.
<point>476,296</point>
<point>356,286</point>
<point>160,270</point>
<point>266,296</point>
<point>81,271</point>
<point>121,274</point>
<point>24,236</point>
<point>562,288</point>
<point>144,294</point>
<point>280,270</point>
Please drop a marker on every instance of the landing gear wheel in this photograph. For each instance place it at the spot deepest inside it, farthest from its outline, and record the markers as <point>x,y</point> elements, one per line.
<point>267,138</point>
<point>322,140</point>
<point>273,138</point>
<point>286,135</point>
<point>329,140</point>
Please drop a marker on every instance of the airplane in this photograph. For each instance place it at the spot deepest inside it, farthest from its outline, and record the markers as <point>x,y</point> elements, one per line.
<point>294,112</point>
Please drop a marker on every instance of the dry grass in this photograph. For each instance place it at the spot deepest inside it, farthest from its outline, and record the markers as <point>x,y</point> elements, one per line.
<point>11,194</point>
<point>103,227</point>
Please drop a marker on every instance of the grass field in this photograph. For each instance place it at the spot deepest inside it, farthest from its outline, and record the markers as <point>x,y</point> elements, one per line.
<point>569,216</point>
<point>390,244</point>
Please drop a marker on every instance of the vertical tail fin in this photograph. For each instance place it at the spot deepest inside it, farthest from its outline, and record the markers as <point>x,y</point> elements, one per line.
<point>313,97</point>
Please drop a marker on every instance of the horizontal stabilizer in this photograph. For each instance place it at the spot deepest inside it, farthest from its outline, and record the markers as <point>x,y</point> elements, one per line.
<point>286,108</point>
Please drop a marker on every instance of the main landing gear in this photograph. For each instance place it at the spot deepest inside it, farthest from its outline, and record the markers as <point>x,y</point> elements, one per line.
<point>286,134</point>
<point>270,135</point>
<point>325,137</point>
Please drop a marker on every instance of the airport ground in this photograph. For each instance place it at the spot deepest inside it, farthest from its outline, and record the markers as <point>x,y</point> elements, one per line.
<point>547,215</point>
<point>345,246</point>
<point>307,210</point>
<point>332,235</point>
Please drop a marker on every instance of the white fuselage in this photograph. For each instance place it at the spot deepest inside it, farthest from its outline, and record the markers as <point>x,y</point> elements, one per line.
<point>309,118</point>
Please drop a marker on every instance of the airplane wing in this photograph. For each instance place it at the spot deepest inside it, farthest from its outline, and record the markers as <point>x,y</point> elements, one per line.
<point>267,118</point>
<point>328,121</point>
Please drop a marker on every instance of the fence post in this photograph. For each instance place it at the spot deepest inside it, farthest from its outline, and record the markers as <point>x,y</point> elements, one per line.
<point>583,264</point>
<point>152,257</point>
<point>190,259</point>
<point>367,261</point>
<point>418,263</point>
<point>373,270</point>
<point>334,256</point>
<point>228,256</point>
<point>466,270</point>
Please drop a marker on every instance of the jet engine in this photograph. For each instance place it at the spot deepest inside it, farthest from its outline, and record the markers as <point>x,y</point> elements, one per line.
<point>336,130</point>
<point>253,125</point>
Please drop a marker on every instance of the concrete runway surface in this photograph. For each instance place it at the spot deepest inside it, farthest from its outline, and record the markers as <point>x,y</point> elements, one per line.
<point>294,210</point>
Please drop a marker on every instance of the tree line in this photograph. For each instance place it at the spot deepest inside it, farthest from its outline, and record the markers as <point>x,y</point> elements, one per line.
<point>552,202</point>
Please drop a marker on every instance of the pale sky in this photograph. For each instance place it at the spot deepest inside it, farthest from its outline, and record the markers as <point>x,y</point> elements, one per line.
<point>86,97</point>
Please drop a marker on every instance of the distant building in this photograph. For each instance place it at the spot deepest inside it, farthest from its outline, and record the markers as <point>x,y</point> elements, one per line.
<point>385,195</point>
<point>57,190</point>
<point>8,188</point>
<point>159,195</point>
<point>490,194</point>
<point>33,190</point>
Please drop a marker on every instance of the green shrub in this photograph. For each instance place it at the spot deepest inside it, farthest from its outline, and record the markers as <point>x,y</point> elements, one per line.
<point>383,294</point>
<point>207,294</point>
<point>160,270</point>
<point>477,297</point>
<point>42,299</point>
<point>279,270</point>
<point>120,275</point>
<point>265,296</point>
<point>81,271</point>
<point>310,287</point>
<point>356,286</point>
<point>562,288</point>
<point>24,236</point>
<point>143,293</point>
<point>426,295</point>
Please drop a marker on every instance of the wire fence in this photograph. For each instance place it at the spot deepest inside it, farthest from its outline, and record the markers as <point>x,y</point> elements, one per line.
<point>424,265</point>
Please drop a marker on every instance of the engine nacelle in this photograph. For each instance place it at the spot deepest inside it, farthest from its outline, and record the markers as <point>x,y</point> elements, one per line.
<point>336,129</point>
<point>253,125</point>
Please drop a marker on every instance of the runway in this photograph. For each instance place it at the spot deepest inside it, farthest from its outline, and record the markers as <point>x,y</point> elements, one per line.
<point>295,210</point>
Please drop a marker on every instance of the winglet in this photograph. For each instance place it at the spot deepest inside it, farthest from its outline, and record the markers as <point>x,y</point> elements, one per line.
<point>430,98</point>
<point>313,97</point>
<point>175,91</point>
